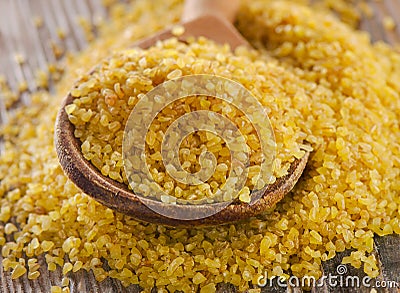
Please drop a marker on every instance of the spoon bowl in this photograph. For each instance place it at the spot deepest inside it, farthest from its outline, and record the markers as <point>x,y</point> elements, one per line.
<point>210,19</point>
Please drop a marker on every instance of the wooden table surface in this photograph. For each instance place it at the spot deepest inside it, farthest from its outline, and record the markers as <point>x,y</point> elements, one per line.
<point>17,17</point>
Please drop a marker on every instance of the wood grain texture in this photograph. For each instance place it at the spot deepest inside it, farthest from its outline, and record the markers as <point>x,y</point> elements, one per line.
<point>18,33</point>
<point>388,249</point>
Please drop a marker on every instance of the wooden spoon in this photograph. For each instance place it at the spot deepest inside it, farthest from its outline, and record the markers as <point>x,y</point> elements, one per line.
<point>209,18</point>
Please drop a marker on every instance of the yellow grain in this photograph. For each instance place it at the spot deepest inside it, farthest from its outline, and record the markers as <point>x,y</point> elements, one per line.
<point>348,118</point>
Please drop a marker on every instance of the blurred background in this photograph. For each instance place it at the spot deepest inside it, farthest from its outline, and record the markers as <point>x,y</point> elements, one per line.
<point>35,34</point>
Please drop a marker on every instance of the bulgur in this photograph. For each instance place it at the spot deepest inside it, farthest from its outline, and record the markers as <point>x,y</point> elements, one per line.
<point>350,112</point>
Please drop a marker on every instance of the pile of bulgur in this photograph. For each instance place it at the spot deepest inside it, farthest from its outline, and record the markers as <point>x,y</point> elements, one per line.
<point>350,112</point>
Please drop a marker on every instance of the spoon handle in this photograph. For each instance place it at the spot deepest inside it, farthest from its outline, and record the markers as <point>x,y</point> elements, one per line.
<point>225,9</point>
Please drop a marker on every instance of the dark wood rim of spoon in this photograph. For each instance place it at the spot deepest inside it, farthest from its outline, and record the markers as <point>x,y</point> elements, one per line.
<point>117,196</point>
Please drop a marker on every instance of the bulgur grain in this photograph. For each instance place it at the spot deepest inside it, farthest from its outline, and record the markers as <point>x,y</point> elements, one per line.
<point>388,23</point>
<point>178,30</point>
<point>349,113</point>
<point>18,271</point>
<point>56,289</point>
